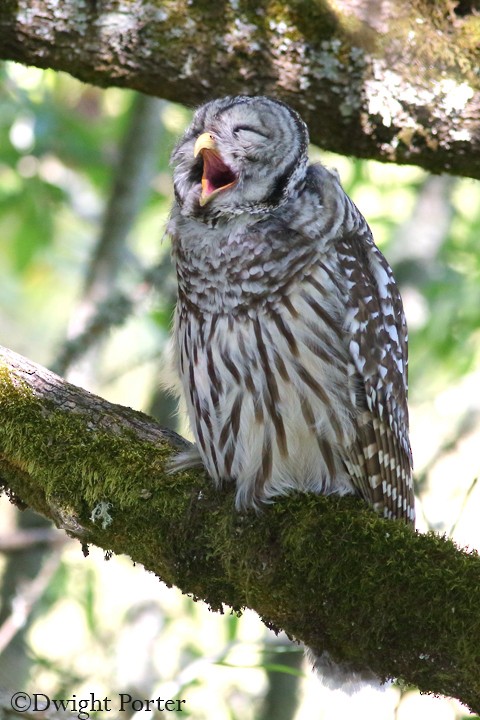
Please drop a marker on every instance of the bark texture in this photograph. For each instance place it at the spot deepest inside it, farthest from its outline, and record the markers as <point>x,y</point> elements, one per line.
<point>396,81</point>
<point>326,570</point>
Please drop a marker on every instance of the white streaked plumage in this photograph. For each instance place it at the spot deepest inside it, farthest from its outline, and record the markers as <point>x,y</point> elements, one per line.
<point>284,247</point>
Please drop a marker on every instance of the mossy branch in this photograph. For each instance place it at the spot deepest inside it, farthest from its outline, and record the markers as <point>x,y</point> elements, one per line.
<point>401,87</point>
<point>328,571</point>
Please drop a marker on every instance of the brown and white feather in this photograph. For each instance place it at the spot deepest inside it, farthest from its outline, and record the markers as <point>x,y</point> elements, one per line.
<point>291,343</point>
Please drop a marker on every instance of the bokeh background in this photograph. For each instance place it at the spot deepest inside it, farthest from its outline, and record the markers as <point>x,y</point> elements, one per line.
<point>86,288</point>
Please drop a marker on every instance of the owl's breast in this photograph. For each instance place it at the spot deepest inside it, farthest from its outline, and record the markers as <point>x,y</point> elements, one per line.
<point>243,266</point>
<point>269,393</point>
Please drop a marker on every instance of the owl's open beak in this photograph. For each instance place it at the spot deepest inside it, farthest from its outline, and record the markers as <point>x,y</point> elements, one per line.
<point>217,176</point>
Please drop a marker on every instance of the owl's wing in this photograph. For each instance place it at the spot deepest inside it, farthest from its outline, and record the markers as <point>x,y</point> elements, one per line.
<point>380,462</point>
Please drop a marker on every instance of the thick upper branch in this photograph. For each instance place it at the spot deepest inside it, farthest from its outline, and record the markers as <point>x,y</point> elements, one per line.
<point>326,570</point>
<point>402,88</point>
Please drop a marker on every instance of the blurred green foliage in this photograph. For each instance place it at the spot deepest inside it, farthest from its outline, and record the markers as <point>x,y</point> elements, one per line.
<point>59,143</point>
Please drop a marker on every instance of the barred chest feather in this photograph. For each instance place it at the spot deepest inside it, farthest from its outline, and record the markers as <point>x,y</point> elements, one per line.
<point>291,348</point>
<point>262,352</point>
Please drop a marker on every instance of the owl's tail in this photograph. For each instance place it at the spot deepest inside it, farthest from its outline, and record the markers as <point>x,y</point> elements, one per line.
<point>341,676</point>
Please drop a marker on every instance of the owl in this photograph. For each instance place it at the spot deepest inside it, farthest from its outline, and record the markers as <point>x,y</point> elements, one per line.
<point>290,337</point>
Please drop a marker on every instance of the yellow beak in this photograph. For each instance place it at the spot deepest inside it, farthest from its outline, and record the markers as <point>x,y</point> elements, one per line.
<point>217,176</point>
<point>204,142</point>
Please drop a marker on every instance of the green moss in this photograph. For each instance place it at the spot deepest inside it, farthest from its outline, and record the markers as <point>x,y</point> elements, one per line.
<point>327,570</point>
<point>57,446</point>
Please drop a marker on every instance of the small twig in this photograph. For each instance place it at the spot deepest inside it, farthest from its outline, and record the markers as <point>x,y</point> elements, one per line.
<point>26,598</point>
<point>464,505</point>
<point>23,539</point>
<point>112,312</point>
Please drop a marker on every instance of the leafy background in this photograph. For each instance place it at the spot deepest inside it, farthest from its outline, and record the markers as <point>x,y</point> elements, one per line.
<point>93,298</point>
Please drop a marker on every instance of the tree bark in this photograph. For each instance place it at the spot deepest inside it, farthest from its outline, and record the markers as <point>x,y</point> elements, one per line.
<point>396,81</point>
<point>326,570</point>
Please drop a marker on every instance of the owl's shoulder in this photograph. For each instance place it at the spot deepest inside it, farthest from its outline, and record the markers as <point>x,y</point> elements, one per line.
<point>323,181</point>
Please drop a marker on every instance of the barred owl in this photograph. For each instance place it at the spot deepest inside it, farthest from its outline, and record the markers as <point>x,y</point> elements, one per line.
<point>290,336</point>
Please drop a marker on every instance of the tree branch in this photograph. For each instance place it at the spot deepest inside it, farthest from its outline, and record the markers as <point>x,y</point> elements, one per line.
<point>326,570</point>
<point>402,88</point>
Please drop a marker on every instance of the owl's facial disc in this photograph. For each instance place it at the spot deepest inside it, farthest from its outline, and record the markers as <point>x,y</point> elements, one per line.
<point>217,176</point>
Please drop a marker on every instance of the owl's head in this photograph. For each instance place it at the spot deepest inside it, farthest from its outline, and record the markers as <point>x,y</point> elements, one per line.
<point>240,154</point>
